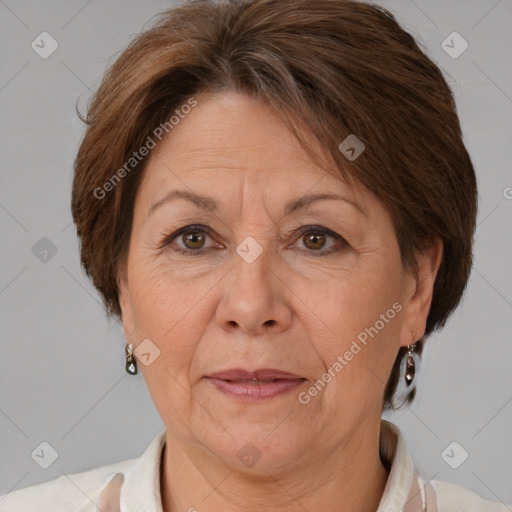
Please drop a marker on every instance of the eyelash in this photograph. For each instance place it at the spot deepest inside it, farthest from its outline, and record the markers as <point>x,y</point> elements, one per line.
<point>198,227</point>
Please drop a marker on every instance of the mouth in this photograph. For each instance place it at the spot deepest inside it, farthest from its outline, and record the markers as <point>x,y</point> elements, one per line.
<point>258,385</point>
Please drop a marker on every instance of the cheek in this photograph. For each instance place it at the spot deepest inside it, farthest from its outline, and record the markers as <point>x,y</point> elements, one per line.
<point>171,312</point>
<point>356,301</point>
<point>168,315</point>
<point>363,315</point>
<point>160,298</point>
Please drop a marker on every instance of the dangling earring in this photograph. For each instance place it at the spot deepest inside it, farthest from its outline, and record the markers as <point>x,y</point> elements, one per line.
<point>410,365</point>
<point>131,365</point>
<point>406,385</point>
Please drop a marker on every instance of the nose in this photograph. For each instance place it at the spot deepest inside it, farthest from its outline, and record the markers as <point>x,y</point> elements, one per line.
<point>254,298</point>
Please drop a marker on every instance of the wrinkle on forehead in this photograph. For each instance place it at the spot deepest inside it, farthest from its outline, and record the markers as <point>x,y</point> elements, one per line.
<point>233,132</point>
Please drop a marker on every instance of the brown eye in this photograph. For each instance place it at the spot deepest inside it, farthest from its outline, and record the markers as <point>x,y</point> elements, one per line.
<point>193,240</point>
<point>319,241</point>
<point>189,240</point>
<point>314,240</point>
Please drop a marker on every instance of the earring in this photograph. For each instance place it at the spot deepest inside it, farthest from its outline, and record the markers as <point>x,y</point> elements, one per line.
<point>407,381</point>
<point>131,365</point>
<point>408,365</point>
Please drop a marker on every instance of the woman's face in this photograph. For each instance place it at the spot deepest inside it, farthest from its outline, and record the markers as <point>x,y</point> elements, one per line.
<point>316,290</point>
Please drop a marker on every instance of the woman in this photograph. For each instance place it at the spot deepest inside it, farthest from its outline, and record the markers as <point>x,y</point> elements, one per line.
<point>275,199</point>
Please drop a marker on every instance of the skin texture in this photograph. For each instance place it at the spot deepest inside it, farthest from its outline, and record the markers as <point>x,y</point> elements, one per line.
<point>287,310</point>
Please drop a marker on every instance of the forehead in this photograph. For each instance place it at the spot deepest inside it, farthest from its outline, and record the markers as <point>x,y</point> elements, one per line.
<point>232,141</point>
<point>233,128</point>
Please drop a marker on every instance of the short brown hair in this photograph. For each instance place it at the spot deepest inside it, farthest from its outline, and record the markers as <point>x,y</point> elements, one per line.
<point>338,67</point>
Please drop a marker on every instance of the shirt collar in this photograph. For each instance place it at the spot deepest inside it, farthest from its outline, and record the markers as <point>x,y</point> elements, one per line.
<point>141,489</point>
<point>399,485</point>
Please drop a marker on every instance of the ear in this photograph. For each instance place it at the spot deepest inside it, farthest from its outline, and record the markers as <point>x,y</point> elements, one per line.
<point>126,306</point>
<point>419,291</point>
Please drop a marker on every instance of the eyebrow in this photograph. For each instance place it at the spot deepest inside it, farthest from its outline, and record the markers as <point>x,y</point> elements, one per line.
<point>208,203</point>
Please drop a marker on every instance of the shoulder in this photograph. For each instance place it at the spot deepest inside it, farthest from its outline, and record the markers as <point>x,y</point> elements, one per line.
<point>74,491</point>
<point>455,498</point>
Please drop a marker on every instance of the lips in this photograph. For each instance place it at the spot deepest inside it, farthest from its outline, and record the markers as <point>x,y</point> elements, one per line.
<point>263,374</point>
<point>254,385</point>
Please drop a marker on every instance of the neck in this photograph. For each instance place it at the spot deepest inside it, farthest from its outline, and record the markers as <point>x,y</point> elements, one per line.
<point>350,478</point>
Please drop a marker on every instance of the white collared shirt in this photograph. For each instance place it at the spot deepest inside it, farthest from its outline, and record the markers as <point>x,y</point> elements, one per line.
<point>134,486</point>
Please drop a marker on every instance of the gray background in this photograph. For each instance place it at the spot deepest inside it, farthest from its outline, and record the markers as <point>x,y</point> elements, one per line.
<point>62,375</point>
